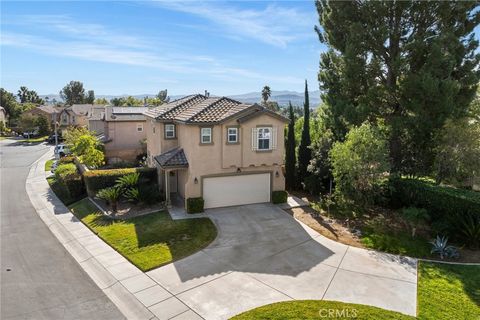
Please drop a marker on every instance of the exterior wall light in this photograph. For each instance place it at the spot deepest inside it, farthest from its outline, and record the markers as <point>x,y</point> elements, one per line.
<point>195,180</point>
<point>239,170</point>
<point>276,174</point>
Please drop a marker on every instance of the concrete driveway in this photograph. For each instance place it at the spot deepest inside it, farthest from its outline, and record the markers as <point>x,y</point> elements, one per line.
<point>262,255</point>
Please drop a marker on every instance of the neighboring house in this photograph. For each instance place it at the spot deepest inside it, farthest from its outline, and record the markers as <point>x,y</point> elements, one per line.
<point>3,115</point>
<point>124,133</point>
<point>50,112</point>
<point>217,148</point>
<point>76,115</point>
<point>95,118</point>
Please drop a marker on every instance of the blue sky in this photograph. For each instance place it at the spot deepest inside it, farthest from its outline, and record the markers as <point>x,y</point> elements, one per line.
<point>142,47</point>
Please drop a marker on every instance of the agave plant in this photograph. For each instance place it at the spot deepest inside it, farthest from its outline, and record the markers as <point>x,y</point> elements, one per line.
<point>128,181</point>
<point>111,195</point>
<point>441,247</point>
<point>132,194</point>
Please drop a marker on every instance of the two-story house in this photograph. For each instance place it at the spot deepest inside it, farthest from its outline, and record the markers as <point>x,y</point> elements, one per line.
<point>124,133</point>
<point>225,151</point>
<point>75,115</point>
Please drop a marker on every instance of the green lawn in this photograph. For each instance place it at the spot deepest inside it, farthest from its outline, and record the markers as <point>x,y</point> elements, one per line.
<point>448,291</point>
<point>48,164</point>
<point>149,241</point>
<point>445,291</point>
<point>319,309</point>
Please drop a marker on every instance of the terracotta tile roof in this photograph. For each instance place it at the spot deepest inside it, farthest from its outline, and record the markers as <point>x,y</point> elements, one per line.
<point>199,109</point>
<point>172,158</point>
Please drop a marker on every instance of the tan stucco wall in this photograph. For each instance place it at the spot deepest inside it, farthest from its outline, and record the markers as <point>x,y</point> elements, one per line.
<point>218,157</point>
<point>204,160</point>
<point>97,126</point>
<point>126,139</point>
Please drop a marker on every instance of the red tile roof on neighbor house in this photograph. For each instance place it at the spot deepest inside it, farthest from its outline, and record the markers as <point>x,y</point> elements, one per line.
<point>201,109</point>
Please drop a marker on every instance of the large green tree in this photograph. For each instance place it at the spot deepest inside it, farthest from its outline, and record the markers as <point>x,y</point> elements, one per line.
<point>304,151</point>
<point>290,157</point>
<point>73,93</point>
<point>90,97</point>
<point>411,63</point>
<point>10,104</point>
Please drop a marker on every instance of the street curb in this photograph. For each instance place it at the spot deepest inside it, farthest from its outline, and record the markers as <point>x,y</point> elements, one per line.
<point>109,270</point>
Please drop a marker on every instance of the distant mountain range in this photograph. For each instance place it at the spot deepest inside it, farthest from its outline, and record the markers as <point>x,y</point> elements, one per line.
<point>281,97</point>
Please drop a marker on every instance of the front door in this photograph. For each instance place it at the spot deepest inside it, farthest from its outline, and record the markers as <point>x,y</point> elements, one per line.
<point>173,178</point>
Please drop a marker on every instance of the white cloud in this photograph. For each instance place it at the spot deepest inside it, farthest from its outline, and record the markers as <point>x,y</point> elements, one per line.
<point>274,25</point>
<point>66,37</point>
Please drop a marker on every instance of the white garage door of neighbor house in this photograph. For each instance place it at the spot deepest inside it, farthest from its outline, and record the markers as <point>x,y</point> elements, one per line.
<point>236,190</point>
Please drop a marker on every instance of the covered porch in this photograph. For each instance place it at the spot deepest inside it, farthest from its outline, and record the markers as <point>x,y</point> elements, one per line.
<point>172,164</point>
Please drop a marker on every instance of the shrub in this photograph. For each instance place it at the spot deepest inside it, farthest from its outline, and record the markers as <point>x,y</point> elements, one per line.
<point>195,205</point>
<point>64,170</point>
<point>75,186</point>
<point>360,164</point>
<point>447,206</point>
<point>279,196</point>
<point>440,246</point>
<point>111,196</point>
<point>67,159</point>
<point>128,181</point>
<point>414,217</point>
<point>100,179</point>
<point>149,194</point>
<point>132,194</point>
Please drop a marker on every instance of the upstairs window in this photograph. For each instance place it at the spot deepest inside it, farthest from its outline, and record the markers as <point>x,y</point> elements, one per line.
<point>232,135</point>
<point>169,131</point>
<point>205,135</point>
<point>264,138</point>
<point>139,127</point>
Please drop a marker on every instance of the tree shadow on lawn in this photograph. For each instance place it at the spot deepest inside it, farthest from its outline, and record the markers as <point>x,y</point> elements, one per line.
<point>449,290</point>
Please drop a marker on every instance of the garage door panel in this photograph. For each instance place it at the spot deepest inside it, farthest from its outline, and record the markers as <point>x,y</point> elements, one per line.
<point>236,190</point>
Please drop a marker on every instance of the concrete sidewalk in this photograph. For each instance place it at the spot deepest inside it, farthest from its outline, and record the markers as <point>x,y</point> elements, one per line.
<point>134,293</point>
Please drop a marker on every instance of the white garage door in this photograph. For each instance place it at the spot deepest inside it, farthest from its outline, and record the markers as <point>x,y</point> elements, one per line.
<point>236,190</point>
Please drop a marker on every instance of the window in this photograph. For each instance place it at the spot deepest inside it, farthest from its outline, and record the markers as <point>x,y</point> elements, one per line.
<point>139,127</point>
<point>264,137</point>
<point>73,119</point>
<point>64,118</point>
<point>206,135</point>
<point>232,135</point>
<point>169,131</point>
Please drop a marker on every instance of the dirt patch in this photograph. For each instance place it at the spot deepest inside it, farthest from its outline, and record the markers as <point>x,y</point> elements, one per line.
<point>328,227</point>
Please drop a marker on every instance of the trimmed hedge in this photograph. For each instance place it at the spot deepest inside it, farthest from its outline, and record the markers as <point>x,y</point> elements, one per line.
<point>195,205</point>
<point>453,211</point>
<point>279,196</point>
<point>67,159</point>
<point>100,179</point>
<point>441,201</point>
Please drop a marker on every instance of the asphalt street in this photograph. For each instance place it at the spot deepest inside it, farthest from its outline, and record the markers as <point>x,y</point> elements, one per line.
<point>39,278</point>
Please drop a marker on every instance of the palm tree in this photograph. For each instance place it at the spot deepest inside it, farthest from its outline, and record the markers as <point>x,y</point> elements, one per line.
<point>266,93</point>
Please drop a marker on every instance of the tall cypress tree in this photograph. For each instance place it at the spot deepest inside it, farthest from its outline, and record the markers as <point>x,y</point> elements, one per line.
<point>304,151</point>
<point>290,151</point>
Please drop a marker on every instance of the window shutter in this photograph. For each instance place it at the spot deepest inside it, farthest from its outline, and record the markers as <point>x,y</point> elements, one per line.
<point>254,139</point>
<point>274,138</point>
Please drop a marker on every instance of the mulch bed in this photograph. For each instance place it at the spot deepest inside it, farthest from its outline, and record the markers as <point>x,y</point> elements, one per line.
<point>128,210</point>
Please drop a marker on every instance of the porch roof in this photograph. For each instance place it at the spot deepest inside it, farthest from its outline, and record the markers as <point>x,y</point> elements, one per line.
<point>174,158</point>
